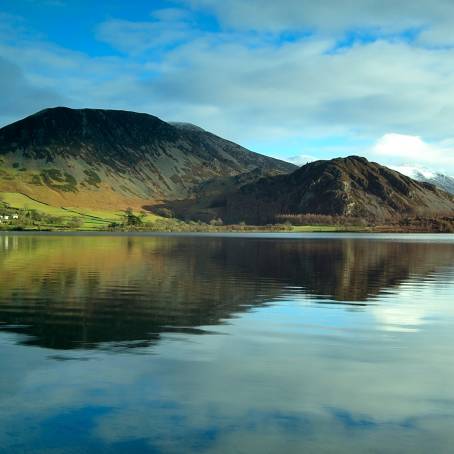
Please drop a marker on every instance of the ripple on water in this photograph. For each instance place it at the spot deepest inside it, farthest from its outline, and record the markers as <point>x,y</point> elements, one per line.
<point>295,343</point>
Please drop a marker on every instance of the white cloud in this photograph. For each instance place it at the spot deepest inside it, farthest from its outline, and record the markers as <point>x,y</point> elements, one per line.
<point>252,87</point>
<point>415,172</point>
<point>435,18</point>
<point>403,146</point>
<point>171,14</point>
<point>405,150</point>
<point>138,37</point>
<point>300,87</point>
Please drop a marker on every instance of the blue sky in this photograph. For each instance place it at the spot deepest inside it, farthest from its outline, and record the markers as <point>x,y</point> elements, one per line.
<point>295,79</point>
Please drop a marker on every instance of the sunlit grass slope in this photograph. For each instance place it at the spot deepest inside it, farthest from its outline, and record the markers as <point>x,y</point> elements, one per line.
<point>92,218</point>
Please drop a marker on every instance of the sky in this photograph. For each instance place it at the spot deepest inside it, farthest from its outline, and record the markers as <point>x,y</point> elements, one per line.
<point>294,79</point>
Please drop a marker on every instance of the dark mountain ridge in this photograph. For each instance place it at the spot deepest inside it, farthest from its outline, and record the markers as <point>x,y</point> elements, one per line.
<point>127,153</point>
<point>352,187</point>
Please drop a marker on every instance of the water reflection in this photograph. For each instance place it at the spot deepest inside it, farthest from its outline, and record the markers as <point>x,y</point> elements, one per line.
<point>72,292</point>
<point>334,345</point>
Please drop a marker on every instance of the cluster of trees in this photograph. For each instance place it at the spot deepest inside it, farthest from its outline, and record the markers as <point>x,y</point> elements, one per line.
<point>130,220</point>
<point>442,222</point>
<point>137,222</point>
<point>320,219</point>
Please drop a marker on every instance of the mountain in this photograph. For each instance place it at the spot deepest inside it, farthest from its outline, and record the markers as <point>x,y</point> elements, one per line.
<point>439,179</point>
<point>111,158</point>
<point>350,186</point>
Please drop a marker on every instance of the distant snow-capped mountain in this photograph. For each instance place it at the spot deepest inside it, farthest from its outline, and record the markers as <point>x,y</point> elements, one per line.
<point>439,179</point>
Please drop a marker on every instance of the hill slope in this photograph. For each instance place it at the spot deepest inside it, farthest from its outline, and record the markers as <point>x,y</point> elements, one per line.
<point>350,186</point>
<point>109,158</point>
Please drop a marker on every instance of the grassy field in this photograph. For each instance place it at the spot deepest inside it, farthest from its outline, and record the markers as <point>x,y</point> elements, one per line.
<point>107,215</point>
<point>91,219</point>
<point>23,202</point>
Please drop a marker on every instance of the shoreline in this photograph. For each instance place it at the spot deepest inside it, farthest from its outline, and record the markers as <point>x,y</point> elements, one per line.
<point>252,230</point>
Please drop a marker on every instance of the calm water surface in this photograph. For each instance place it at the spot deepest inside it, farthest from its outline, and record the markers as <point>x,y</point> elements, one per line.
<point>226,344</point>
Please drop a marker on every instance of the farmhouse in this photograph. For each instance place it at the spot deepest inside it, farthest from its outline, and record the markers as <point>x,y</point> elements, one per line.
<point>7,217</point>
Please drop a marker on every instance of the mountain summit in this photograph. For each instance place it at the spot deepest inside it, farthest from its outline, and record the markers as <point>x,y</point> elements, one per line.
<point>110,157</point>
<point>350,186</point>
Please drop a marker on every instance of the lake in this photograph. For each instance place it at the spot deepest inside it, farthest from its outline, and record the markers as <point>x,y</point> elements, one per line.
<point>226,343</point>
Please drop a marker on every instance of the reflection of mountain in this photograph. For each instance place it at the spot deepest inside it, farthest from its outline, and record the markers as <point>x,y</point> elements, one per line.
<point>348,269</point>
<point>70,291</point>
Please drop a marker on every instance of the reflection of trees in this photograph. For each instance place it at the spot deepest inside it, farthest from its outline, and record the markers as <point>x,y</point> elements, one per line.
<point>68,292</point>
